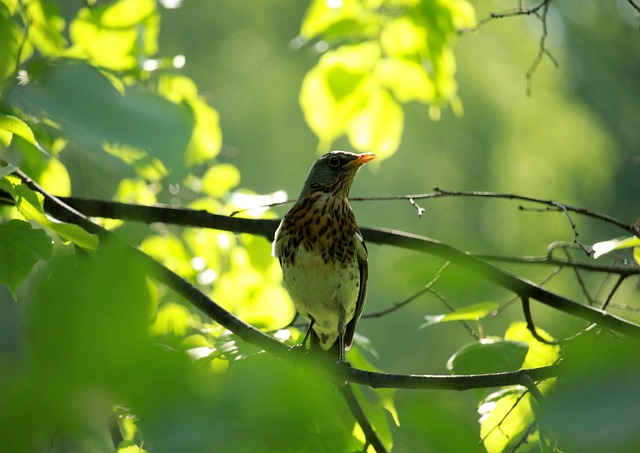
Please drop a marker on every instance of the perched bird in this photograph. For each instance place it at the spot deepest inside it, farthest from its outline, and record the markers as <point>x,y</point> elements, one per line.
<point>322,253</point>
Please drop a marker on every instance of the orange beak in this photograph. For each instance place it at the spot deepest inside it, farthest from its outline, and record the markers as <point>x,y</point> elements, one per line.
<point>361,159</point>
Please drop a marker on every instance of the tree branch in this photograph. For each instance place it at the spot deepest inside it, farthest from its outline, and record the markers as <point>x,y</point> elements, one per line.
<point>65,212</point>
<point>266,228</point>
<point>555,205</point>
<point>452,382</point>
<point>361,417</point>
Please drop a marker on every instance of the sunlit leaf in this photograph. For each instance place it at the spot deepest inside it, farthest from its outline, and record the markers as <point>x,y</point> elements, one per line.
<point>402,37</point>
<point>220,179</point>
<point>350,17</point>
<point>539,354</point>
<point>46,27</point>
<point>602,248</point>
<point>334,92</point>
<point>11,37</point>
<point>406,45</point>
<point>55,178</point>
<point>385,396</point>
<point>18,127</point>
<point>30,205</point>
<point>472,312</point>
<point>269,308</point>
<point>378,125</point>
<point>137,191</point>
<point>172,319</point>
<point>206,137</point>
<point>170,251</point>
<point>91,112</point>
<point>504,415</point>
<point>21,246</point>
<point>376,415</point>
<point>491,355</point>
<point>115,35</point>
<point>407,80</point>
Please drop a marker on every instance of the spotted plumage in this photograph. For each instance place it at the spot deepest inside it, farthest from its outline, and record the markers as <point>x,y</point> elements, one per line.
<point>322,253</point>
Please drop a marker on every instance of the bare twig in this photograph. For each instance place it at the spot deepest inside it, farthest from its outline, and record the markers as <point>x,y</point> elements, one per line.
<point>520,11</point>
<point>617,284</point>
<point>419,208</point>
<point>408,300</point>
<point>553,205</point>
<point>542,49</point>
<point>541,282</point>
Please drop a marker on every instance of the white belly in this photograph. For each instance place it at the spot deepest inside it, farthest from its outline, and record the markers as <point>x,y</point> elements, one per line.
<point>325,293</point>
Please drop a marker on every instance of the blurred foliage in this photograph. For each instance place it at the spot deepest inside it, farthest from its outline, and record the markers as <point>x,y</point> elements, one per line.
<point>96,100</point>
<point>386,53</point>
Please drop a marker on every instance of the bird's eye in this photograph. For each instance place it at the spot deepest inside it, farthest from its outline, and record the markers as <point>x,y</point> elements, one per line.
<point>334,162</point>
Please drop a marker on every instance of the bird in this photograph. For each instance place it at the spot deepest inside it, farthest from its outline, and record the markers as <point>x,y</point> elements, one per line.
<point>322,253</point>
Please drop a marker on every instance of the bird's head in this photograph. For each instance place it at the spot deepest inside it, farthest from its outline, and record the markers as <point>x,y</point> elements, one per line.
<point>334,172</point>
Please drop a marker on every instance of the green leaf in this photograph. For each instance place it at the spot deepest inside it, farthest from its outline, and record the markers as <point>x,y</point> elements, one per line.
<point>504,415</point>
<point>378,125</point>
<point>11,37</point>
<point>21,246</point>
<point>407,80</point>
<point>46,27</point>
<point>490,355</point>
<point>472,312</point>
<point>351,17</point>
<point>539,354</point>
<point>92,113</point>
<point>336,91</point>
<point>220,179</point>
<point>602,248</point>
<point>115,35</point>
<point>18,127</point>
<point>29,204</point>
<point>206,137</point>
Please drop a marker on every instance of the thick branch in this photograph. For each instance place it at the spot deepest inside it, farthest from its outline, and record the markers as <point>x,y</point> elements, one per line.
<point>453,382</point>
<point>65,212</point>
<point>266,228</point>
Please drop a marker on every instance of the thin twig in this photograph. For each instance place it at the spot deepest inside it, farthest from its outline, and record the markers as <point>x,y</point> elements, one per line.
<point>581,282</point>
<point>612,292</point>
<point>497,425</point>
<point>361,418</point>
<point>399,305</point>
<point>542,50</point>
<point>530,325</point>
<point>440,193</point>
<point>525,436</point>
<point>520,11</point>
<point>541,282</point>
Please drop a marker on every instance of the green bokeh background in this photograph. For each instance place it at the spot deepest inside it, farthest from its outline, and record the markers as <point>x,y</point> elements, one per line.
<point>574,139</point>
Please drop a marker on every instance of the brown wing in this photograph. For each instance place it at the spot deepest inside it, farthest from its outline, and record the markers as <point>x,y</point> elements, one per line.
<point>361,249</point>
